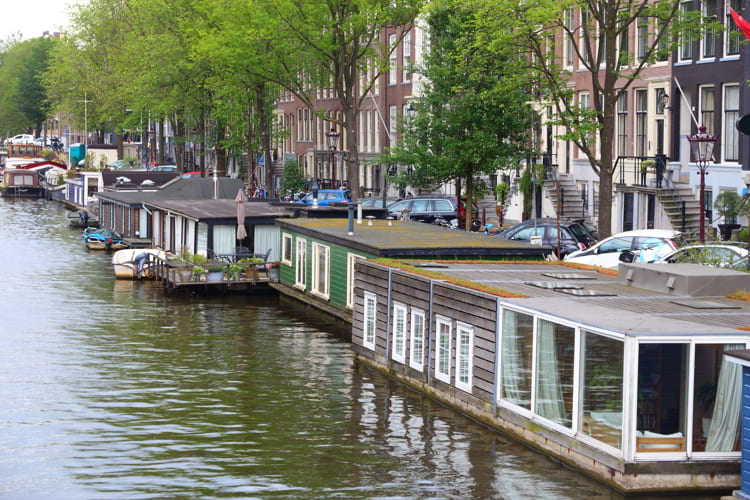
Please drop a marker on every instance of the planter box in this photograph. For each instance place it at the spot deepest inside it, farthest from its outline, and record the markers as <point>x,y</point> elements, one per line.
<point>214,276</point>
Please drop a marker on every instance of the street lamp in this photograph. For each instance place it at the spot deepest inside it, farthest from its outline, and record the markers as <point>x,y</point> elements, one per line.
<point>333,142</point>
<point>702,145</point>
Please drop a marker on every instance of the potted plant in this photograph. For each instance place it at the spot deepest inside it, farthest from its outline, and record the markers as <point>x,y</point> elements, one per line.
<point>197,272</point>
<point>273,271</point>
<point>215,272</point>
<point>253,261</point>
<point>728,204</point>
<point>234,271</point>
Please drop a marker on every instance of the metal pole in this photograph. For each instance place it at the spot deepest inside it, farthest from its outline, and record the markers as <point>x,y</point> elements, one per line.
<point>683,216</point>
<point>702,169</point>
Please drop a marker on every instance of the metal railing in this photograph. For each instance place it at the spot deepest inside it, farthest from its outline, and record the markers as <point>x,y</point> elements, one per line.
<point>632,168</point>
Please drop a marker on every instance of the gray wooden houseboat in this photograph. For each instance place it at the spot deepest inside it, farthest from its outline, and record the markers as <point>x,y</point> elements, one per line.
<point>621,377</point>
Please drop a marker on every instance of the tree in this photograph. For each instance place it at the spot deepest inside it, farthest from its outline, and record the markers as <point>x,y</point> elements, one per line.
<point>473,117</point>
<point>595,38</point>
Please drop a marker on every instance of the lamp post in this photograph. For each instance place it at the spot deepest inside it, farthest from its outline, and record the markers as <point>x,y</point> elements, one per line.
<point>702,145</point>
<point>333,142</point>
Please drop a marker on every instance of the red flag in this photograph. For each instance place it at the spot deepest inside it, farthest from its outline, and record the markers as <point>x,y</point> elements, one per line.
<point>741,23</point>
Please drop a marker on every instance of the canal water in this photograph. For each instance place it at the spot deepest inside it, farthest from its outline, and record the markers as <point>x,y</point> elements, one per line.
<point>112,389</point>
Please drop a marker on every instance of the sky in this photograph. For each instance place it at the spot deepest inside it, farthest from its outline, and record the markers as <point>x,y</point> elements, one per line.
<point>33,17</point>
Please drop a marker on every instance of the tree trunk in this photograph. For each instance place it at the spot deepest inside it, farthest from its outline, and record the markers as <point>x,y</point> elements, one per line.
<point>203,143</point>
<point>605,203</point>
<point>180,145</point>
<point>469,199</point>
<point>352,156</point>
<point>118,143</point>
<point>221,153</point>
<point>160,141</point>
<point>265,134</point>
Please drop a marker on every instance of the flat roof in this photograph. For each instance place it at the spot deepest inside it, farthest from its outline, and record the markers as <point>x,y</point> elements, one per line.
<point>604,302</point>
<point>219,209</point>
<point>177,189</point>
<point>412,239</point>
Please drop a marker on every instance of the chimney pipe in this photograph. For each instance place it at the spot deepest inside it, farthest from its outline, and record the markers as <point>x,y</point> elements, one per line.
<point>351,206</point>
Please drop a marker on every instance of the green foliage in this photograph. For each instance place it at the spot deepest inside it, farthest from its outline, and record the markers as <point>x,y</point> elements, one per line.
<point>526,186</point>
<point>293,179</point>
<point>729,204</point>
<point>501,192</point>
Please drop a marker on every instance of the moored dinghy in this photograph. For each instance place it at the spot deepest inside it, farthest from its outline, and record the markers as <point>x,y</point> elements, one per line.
<point>133,263</point>
<point>103,239</point>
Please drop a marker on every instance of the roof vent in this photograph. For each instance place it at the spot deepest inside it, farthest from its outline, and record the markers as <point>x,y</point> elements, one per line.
<point>148,182</point>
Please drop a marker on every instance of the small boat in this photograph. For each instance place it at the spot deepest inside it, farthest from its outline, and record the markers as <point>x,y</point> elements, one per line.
<point>103,239</point>
<point>81,218</point>
<point>133,263</point>
<point>24,183</point>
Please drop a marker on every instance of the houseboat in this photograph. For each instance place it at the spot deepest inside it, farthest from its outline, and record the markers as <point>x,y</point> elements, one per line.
<point>318,255</point>
<point>619,376</point>
<point>21,183</point>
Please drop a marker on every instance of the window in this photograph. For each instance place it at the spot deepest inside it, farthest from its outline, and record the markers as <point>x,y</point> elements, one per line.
<point>616,244</point>
<point>731,136</point>
<point>393,124</point>
<point>642,38</point>
<point>392,61</point>
<point>286,249</point>
<point>368,336</point>
<point>555,355</point>
<point>442,206</point>
<point>709,35</point>
<point>732,35</point>
<point>641,108</point>
<point>583,100</point>
<point>568,32</point>
<point>351,259</point>
<point>398,349</point>
<point>584,47</point>
<point>659,95</point>
<point>517,348</point>
<point>601,391</point>
<point>662,50</point>
<point>407,57</point>
<point>443,361</point>
<point>707,108</point>
<point>321,259</point>
<point>685,49</point>
<point>622,124</point>
<point>416,349</point>
<point>624,55</point>
<point>464,356</point>
<point>300,263</point>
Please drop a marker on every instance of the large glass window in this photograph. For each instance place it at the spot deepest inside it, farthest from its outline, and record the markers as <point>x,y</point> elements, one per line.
<point>464,356</point>
<point>709,35</point>
<point>443,364</point>
<point>622,124</point>
<point>707,108</point>
<point>516,357</point>
<point>407,56</point>
<point>568,32</point>
<point>417,339</point>
<point>717,399</point>
<point>641,113</point>
<point>320,259</point>
<point>555,362</point>
<point>685,50</point>
<point>398,349</point>
<point>662,398</point>
<point>731,136</point>
<point>601,399</point>
<point>732,35</point>
<point>392,61</point>
<point>368,337</point>
<point>642,38</point>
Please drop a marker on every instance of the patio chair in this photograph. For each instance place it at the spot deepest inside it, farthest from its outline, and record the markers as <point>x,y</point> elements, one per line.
<point>263,256</point>
<point>242,252</point>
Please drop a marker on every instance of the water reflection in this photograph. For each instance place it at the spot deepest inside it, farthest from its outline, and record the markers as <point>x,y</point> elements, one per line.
<point>113,390</point>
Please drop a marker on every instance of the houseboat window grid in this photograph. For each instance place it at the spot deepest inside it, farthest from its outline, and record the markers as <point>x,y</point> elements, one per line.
<point>443,347</point>
<point>301,264</point>
<point>398,350</point>
<point>371,307</point>
<point>321,264</point>
<point>688,397</point>
<point>464,356</point>
<point>555,365</point>
<point>416,349</point>
<point>286,249</point>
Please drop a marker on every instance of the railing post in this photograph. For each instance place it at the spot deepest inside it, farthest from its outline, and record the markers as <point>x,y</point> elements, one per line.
<point>683,216</point>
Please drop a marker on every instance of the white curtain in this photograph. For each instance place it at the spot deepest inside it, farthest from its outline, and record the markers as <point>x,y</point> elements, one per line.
<point>725,421</point>
<point>190,238</point>
<point>143,223</point>
<point>224,239</point>
<point>267,237</point>
<point>156,218</point>
<point>549,399</point>
<point>510,361</point>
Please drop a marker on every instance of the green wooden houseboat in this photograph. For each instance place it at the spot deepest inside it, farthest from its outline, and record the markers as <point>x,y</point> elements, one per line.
<point>318,255</point>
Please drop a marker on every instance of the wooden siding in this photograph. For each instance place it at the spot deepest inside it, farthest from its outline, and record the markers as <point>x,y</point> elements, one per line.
<point>458,305</point>
<point>745,430</point>
<point>337,272</point>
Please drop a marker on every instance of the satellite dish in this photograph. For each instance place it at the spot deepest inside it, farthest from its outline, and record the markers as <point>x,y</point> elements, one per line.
<point>743,125</point>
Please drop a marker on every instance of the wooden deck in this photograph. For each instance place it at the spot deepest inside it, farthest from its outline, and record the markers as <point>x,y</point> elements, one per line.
<point>254,277</point>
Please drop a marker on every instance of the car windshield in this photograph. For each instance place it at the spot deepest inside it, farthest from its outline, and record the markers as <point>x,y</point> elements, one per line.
<point>580,232</point>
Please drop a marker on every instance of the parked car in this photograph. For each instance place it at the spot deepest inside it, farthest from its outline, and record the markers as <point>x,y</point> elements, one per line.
<point>582,232</point>
<point>328,196</point>
<point>21,139</point>
<point>573,236</point>
<point>427,208</point>
<point>711,255</point>
<point>377,202</point>
<point>607,252</point>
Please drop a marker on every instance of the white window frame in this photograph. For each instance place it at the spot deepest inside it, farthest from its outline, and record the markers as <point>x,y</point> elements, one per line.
<point>323,292</point>
<point>702,55</point>
<point>351,259</point>
<point>468,361</point>
<point>398,333</point>
<point>417,362</point>
<point>442,375</point>
<point>406,57</point>
<point>729,32</point>
<point>370,320</point>
<point>300,268</point>
<point>686,41</point>
<point>711,125</point>
<point>393,125</point>
<point>286,259</point>
<point>568,51</point>
<point>728,126</point>
<point>392,60</point>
